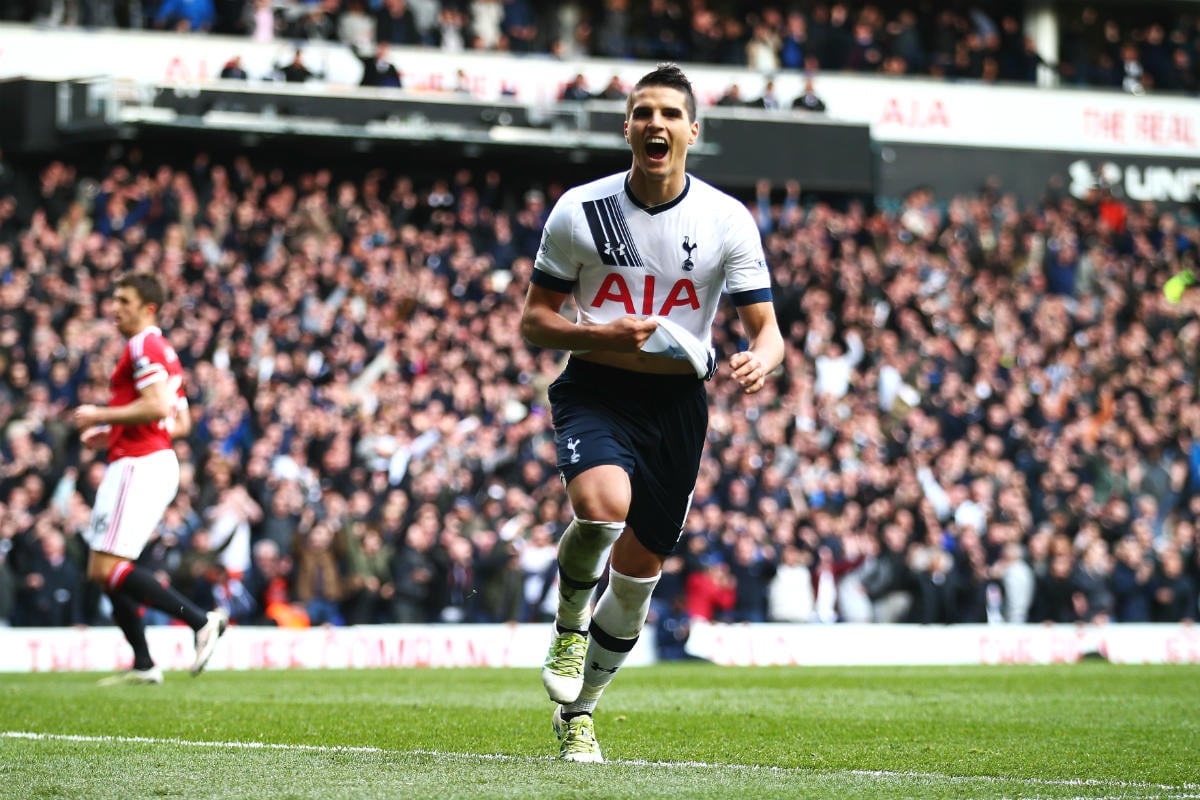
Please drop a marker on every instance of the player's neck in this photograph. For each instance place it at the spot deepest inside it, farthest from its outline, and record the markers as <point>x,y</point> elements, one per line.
<point>140,328</point>
<point>656,192</point>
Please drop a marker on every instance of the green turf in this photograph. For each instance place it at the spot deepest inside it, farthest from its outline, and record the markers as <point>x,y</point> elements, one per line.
<point>1090,730</point>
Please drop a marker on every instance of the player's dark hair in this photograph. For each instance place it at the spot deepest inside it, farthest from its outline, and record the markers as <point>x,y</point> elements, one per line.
<point>669,75</point>
<point>147,285</point>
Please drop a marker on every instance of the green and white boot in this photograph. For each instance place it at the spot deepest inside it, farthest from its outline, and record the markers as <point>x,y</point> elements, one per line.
<point>577,738</point>
<point>562,674</point>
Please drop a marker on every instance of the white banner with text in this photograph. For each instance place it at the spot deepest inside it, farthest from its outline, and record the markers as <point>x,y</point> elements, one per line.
<point>911,645</point>
<point>244,647</point>
<point>407,646</point>
<point>898,110</point>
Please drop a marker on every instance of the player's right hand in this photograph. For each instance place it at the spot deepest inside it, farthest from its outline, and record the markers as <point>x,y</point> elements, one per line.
<point>630,333</point>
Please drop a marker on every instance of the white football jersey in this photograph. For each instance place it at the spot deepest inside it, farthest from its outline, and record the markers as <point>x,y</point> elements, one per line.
<point>618,257</point>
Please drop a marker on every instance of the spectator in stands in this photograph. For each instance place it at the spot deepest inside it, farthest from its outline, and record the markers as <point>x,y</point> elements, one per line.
<point>267,585</point>
<point>768,99</point>
<point>1182,75</point>
<point>1134,78</point>
<point>1174,591</point>
<point>262,21</point>
<point>672,630</point>
<point>378,69</point>
<point>864,54</point>
<point>414,573</point>
<point>711,591</point>
<point>396,24</point>
<point>186,15</point>
<point>660,32</point>
<point>613,90</point>
<point>296,71</point>
<point>731,97</point>
<point>762,51</point>
<point>887,581</point>
<point>8,584</point>
<point>355,27</point>
<point>318,582</point>
<point>450,31</point>
<point>793,43</point>
<point>1132,582</point>
<point>520,26</point>
<point>51,591</point>
<point>233,70</point>
<point>808,100</point>
<point>576,90</point>
<point>369,588</point>
<point>1017,582</point>
<point>790,597</point>
<point>500,580</point>
<point>487,16</point>
<point>752,568</point>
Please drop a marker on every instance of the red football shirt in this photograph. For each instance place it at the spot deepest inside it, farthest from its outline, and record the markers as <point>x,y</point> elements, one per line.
<point>147,359</point>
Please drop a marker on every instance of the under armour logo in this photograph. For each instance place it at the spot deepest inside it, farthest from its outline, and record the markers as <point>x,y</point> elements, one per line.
<point>571,445</point>
<point>688,249</point>
<point>614,248</point>
<point>596,666</point>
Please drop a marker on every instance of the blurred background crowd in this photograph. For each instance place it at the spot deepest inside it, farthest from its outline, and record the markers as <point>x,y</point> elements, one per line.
<point>988,411</point>
<point>1132,46</point>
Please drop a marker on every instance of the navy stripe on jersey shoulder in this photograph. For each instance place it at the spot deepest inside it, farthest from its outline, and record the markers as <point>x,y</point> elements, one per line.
<point>667,206</point>
<point>751,296</point>
<point>551,282</point>
<point>610,233</point>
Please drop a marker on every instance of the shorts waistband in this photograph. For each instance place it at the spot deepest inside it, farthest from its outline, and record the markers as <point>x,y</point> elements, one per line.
<point>604,375</point>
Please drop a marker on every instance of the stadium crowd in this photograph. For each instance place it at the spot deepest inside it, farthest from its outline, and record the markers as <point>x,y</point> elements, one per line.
<point>988,412</point>
<point>1136,47</point>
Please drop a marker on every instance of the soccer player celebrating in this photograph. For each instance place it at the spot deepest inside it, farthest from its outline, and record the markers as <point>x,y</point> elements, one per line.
<point>148,407</point>
<point>645,255</point>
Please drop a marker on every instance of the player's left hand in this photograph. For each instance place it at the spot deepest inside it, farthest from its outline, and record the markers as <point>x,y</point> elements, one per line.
<point>95,437</point>
<point>748,371</point>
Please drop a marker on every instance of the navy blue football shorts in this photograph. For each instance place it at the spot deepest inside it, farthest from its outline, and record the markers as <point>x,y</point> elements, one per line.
<point>652,426</point>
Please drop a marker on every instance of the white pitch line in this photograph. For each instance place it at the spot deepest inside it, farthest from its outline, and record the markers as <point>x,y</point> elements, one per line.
<point>861,773</point>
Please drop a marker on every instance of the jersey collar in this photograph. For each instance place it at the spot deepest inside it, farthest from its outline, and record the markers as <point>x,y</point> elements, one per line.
<point>661,207</point>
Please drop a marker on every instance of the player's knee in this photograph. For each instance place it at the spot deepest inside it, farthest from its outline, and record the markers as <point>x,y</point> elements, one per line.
<point>100,568</point>
<point>601,492</point>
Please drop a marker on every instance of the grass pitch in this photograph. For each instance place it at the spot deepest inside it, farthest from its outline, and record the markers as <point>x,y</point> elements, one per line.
<point>678,731</point>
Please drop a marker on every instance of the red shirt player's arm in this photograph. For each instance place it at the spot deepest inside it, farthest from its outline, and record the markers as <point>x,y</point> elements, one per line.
<point>180,424</point>
<point>156,395</point>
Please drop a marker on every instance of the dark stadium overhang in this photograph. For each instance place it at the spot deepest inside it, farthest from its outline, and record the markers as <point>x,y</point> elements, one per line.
<point>737,146</point>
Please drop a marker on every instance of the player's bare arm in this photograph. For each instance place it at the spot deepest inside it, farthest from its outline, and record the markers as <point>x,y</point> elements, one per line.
<point>181,421</point>
<point>543,326</point>
<point>155,403</point>
<point>751,367</point>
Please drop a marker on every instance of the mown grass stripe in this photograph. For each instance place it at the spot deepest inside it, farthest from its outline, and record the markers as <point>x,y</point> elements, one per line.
<point>1178,791</point>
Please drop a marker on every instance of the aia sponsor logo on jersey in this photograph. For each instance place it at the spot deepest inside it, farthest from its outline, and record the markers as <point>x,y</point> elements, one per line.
<point>616,289</point>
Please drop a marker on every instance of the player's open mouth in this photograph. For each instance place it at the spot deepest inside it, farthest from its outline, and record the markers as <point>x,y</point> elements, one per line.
<point>656,148</point>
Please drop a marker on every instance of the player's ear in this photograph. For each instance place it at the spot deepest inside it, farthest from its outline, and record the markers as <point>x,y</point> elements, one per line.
<point>695,132</point>
<point>625,129</point>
